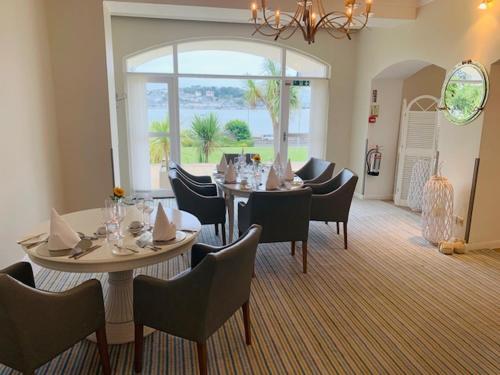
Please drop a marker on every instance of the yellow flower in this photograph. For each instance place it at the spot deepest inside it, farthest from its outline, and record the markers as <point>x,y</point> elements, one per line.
<point>118,192</point>
<point>256,158</point>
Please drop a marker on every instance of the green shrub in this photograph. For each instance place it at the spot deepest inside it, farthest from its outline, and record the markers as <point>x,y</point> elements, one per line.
<point>238,129</point>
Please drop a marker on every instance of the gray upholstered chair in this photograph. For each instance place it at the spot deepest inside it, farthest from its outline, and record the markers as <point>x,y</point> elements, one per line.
<point>331,200</point>
<point>199,301</point>
<point>283,215</point>
<point>206,189</point>
<point>30,317</point>
<point>198,179</point>
<point>316,171</point>
<point>232,157</point>
<point>208,209</point>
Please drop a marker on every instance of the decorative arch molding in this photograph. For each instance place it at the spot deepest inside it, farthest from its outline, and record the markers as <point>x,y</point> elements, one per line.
<point>233,44</point>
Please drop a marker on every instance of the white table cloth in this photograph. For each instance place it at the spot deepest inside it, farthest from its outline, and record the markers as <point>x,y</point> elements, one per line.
<point>230,191</point>
<point>118,300</point>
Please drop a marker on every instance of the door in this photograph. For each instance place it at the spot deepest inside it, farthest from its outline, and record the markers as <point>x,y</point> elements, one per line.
<point>418,140</point>
<point>151,132</point>
<point>304,120</point>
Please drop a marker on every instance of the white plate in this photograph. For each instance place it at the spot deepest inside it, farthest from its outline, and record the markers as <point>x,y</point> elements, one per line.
<point>179,236</point>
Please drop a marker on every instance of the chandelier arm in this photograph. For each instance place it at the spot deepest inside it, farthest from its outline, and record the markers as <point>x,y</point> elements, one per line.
<point>330,20</point>
<point>259,28</point>
<point>337,33</point>
<point>291,19</point>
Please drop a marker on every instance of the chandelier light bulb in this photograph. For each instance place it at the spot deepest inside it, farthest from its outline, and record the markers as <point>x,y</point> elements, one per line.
<point>485,4</point>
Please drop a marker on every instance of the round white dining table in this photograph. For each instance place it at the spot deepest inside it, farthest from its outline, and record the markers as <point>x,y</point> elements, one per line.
<point>230,191</point>
<point>119,299</point>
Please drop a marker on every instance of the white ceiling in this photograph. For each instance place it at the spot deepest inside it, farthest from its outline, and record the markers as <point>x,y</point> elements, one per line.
<point>387,13</point>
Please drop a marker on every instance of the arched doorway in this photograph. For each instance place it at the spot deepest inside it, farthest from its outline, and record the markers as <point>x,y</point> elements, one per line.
<point>412,81</point>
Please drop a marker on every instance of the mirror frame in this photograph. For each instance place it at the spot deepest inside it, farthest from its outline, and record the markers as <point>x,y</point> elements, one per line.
<point>481,69</point>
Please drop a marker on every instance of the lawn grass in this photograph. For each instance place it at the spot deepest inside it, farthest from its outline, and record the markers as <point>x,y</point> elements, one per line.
<point>190,155</point>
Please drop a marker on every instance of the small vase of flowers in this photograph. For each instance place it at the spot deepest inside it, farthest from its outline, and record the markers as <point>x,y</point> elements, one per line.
<point>118,194</point>
<point>256,159</point>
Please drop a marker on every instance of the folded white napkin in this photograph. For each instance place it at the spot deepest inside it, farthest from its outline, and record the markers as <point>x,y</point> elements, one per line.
<point>61,236</point>
<point>164,230</point>
<point>273,182</point>
<point>277,160</point>
<point>230,176</point>
<point>289,175</point>
<point>222,166</point>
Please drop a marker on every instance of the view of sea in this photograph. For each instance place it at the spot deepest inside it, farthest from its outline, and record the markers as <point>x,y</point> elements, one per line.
<point>258,119</point>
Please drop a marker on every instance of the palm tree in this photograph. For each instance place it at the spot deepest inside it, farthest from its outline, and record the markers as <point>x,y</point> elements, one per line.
<point>268,94</point>
<point>206,132</point>
<point>159,146</point>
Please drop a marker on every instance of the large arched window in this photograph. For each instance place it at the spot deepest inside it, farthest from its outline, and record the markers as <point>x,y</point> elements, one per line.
<point>195,100</point>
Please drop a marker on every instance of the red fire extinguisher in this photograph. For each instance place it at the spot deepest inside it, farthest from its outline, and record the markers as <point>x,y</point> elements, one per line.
<point>373,160</point>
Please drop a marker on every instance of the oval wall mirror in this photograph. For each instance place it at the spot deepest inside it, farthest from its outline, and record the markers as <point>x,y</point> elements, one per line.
<point>465,92</point>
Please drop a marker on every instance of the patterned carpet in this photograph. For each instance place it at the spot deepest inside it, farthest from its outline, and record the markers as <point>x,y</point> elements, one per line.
<point>391,304</point>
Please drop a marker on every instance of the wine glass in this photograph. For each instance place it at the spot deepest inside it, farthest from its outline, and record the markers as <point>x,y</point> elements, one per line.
<point>139,204</point>
<point>148,210</point>
<point>120,213</point>
<point>109,220</point>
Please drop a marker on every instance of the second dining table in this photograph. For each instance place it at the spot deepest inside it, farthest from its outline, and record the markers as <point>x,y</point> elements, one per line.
<point>232,190</point>
<point>120,268</point>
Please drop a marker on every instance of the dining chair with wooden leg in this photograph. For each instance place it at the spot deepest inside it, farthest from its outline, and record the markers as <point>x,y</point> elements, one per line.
<point>198,179</point>
<point>208,209</point>
<point>36,325</point>
<point>283,215</point>
<point>196,303</point>
<point>316,171</point>
<point>331,200</point>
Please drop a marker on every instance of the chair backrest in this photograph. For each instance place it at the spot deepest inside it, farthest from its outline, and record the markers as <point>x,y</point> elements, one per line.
<point>316,170</point>
<point>283,215</point>
<point>183,194</point>
<point>339,192</point>
<point>197,179</point>
<point>232,157</point>
<point>29,317</point>
<point>204,189</point>
<point>228,277</point>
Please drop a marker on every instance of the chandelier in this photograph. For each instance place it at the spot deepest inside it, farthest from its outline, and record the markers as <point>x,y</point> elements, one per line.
<point>309,17</point>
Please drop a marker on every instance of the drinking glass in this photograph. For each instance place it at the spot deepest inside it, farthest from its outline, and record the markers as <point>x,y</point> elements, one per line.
<point>109,221</point>
<point>139,204</point>
<point>121,213</point>
<point>148,210</point>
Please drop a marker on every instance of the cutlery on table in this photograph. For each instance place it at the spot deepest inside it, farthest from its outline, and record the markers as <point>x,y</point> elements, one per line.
<point>189,231</point>
<point>20,242</point>
<point>83,253</point>
<point>83,236</point>
<point>126,248</point>
<point>34,244</point>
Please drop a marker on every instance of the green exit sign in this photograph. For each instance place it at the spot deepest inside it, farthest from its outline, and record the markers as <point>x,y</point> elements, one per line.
<point>301,83</point>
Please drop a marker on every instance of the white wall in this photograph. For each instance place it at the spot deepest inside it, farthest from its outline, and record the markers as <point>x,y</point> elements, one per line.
<point>385,134</point>
<point>445,33</point>
<point>486,218</point>
<point>131,35</point>
<point>31,181</point>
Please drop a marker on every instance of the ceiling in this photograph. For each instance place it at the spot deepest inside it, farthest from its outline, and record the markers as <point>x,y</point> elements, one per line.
<point>386,12</point>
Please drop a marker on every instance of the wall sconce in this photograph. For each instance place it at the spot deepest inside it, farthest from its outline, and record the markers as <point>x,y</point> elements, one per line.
<point>485,4</point>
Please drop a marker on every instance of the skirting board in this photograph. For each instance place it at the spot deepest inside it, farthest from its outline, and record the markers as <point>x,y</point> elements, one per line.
<point>488,245</point>
<point>374,197</point>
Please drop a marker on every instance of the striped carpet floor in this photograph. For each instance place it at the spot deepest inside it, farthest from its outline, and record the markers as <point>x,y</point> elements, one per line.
<point>391,304</point>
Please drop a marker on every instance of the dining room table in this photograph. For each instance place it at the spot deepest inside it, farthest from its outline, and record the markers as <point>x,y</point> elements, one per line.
<point>237,189</point>
<point>119,264</point>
